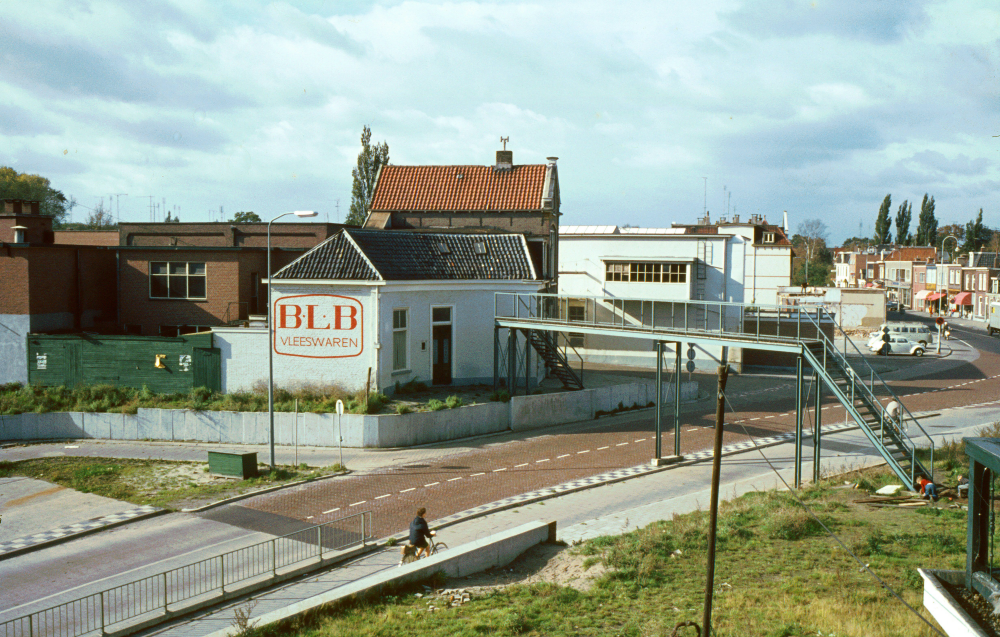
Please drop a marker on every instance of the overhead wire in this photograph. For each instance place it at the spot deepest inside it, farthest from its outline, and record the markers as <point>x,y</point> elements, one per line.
<point>864,567</point>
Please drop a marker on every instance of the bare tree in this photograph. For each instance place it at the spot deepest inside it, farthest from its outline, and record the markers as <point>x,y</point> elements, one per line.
<point>813,234</point>
<point>101,218</point>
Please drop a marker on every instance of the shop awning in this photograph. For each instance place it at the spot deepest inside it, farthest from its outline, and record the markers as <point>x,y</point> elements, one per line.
<point>963,298</point>
<point>935,296</point>
<point>921,295</point>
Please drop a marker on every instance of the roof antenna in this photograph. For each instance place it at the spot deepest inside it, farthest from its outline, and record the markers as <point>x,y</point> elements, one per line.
<point>504,140</point>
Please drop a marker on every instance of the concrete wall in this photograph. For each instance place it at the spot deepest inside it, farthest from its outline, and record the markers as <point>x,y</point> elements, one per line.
<point>322,430</point>
<point>13,348</point>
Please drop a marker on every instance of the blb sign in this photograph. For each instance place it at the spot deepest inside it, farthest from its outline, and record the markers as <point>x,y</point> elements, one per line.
<point>318,326</point>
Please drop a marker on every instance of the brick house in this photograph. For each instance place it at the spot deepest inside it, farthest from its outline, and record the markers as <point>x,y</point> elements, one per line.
<point>179,278</point>
<point>505,197</point>
<point>47,287</point>
<point>977,283</point>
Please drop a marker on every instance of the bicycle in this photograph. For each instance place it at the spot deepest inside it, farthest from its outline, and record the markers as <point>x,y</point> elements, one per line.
<point>410,554</point>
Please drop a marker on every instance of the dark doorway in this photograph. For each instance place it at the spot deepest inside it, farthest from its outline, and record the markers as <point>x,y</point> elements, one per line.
<point>441,369</point>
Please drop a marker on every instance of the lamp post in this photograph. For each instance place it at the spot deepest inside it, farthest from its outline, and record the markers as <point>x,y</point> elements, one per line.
<point>945,283</point>
<point>270,332</point>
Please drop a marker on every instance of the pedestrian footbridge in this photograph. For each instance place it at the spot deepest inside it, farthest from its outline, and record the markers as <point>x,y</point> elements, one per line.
<point>810,334</point>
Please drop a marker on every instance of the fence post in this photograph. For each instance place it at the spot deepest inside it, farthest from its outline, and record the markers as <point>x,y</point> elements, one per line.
<point>31,627</point>
<point>274,561</point>
<point>102,614</point>
<point>166,599</point>
<point>222,573</point>
<point>362,519</point>
<point>320,529</point>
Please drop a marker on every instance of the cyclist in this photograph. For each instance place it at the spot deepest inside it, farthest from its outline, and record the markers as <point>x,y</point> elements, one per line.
<point>419,532</point>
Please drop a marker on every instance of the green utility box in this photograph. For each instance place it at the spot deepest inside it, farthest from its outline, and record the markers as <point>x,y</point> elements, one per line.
<point>233,463</point>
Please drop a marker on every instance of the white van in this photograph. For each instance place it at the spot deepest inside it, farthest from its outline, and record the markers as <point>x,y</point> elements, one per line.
<point>993,320</point>
<point>910,330</point>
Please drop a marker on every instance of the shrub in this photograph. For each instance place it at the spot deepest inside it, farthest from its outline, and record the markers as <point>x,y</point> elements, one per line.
<point>453,402</point>
<point>501,396</point>
<point>403,409</point>
<point>435,405</point>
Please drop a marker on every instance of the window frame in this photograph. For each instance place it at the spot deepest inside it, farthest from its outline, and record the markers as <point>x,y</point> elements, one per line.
<point>646,272</point>
<point>404,312</point>
<point>187,276</point>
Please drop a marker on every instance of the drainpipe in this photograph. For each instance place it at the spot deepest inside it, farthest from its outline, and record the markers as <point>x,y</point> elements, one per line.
<point>378,343</point>
<point>118,288</point>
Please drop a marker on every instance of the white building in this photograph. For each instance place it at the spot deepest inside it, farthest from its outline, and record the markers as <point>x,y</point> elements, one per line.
<point>397,305</point>
<point>730,262</point>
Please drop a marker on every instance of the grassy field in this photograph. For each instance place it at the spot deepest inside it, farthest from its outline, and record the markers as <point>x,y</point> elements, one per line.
<point>778,574</point>
<point>157,482</point>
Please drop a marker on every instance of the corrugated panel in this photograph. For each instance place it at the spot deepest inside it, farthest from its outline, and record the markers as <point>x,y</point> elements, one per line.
<point>458,188</point>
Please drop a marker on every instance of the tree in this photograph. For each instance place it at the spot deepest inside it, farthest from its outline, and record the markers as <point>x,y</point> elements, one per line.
<point>814,265</point>
<point>813,233</point>
<point>857,244</point>
<point>248,216</point>
<point>370,159</point>
<point>883,223</point>
<point>100,218</point>
<point>903,217</point>
<point>975,234</point>
<point>927,225</point>
<point>170,219</point>
<point>15,185</point>
<point>956,230</point>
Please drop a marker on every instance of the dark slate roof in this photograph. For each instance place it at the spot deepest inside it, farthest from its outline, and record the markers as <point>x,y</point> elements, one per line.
<point>394,255</point>
<point>984,259</point>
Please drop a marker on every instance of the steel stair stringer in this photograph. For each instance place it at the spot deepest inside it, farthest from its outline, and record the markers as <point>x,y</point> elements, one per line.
<point>557,364</point>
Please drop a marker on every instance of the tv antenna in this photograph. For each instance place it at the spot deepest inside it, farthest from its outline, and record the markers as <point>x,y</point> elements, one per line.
<point>504,140</point>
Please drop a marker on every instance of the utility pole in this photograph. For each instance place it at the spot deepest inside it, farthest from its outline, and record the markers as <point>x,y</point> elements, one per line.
<point>118,205</point>
<point>704,207</point>
<point>713,518</point>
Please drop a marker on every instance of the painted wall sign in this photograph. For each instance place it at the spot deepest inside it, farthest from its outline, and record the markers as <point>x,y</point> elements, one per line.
<point>318,326</point>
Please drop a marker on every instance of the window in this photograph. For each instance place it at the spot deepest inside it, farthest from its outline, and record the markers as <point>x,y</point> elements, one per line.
<point>768,237</point>
<point>176,280</point>
<point>577,314</point>
<point>921,277</point>
<point>441,315</point>
<point>398,340</point>
<point>646,272</point>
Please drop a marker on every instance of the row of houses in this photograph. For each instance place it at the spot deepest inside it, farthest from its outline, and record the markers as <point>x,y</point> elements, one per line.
<point>409,296</point>
<point>918,278</point>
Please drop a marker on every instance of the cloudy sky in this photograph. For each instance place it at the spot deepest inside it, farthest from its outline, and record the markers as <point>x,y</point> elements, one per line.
<point>818,108</point>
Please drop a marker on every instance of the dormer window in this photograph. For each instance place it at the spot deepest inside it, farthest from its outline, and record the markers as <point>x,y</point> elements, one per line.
<point>443,248</point>
<point>479,247</point>
<point>768,237</point>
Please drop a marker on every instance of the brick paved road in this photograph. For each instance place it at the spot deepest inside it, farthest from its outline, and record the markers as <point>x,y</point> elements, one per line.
<point>497,470</point>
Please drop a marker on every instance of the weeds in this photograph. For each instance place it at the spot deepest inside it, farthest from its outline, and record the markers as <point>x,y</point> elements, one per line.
<point>453,402</point>
<point>242,625</point>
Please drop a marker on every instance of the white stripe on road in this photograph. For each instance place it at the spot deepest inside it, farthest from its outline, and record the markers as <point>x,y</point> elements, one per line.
<point>584,451</point>
<point>481,473</point>
<point>357,503</point>
<point>565,455</point>
<point>523,464</point>
<point>330,511</point>
<point>453,479</point>
<point>431,484</point>
<point>383,496</point>
<point>406,490</point>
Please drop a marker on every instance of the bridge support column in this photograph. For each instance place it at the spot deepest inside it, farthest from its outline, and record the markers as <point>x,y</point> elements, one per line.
<point>659,460</point>
<point>798,421</point>
<point>511,360</point>
<point>527,362</point>
<point>677,399</point>
<point>496,357</point>
<point>816,428</point>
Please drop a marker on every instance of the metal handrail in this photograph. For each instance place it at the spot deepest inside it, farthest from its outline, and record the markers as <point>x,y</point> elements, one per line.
<point>98,611</point>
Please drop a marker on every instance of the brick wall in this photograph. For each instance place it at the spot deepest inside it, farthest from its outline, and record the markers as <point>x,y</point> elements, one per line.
<point>53,279</point>
<point>14,274</point>
<point>226,235</point>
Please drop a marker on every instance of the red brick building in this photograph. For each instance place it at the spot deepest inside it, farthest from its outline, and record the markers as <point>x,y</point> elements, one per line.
<point>178,278</point>
<point>503,197</point>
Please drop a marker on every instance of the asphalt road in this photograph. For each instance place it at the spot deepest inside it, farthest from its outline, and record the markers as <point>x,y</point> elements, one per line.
<point>487,470</point>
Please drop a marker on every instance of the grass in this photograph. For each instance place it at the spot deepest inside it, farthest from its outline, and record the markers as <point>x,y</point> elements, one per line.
<point>157,482</point>
<point>17,399</point>
<point>778,573</point>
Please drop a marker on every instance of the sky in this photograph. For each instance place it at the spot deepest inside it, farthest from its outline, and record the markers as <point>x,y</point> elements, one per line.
<point>655,110</point>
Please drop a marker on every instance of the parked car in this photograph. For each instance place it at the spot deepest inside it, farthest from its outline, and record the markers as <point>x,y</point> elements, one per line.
<point>913,330</point>
<point>892,306</point>
<point>898,344</point>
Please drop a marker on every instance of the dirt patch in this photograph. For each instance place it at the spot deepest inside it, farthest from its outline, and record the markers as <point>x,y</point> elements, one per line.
<point>549,563</point>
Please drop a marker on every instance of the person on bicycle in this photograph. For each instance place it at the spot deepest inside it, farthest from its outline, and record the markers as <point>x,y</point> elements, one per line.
<point>419,533</point>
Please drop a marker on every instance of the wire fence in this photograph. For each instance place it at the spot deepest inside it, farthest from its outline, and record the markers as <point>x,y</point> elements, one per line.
<point>99,612</point>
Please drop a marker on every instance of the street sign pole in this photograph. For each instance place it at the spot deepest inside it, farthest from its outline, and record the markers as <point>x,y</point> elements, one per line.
<point>340,430</point>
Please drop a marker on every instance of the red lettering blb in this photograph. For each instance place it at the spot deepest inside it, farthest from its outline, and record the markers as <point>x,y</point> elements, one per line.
<point>345,313</point>
<point>284,315</point>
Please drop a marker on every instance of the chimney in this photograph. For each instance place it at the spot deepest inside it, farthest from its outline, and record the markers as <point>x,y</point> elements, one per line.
<point>505,160</point>
<point>32,207</point>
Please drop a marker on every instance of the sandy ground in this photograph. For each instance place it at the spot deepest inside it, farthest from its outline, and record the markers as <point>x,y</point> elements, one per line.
<point>551,563</point>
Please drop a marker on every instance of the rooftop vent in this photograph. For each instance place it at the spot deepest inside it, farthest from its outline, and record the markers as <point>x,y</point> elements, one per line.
<point>479,247</point>
<point>443,248</point>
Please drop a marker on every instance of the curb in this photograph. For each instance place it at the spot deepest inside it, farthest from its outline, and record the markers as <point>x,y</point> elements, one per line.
<point>74,536</point>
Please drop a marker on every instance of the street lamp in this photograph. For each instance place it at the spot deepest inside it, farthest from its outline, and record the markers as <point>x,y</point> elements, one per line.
<point>270,331</point>
<point>945,283</point>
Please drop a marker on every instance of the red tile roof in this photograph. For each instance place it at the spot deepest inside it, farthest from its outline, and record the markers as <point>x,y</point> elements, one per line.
<point>425,188</point>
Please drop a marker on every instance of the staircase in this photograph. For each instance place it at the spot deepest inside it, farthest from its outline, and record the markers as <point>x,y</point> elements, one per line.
<point>861,399</point>
<point>545,344</point>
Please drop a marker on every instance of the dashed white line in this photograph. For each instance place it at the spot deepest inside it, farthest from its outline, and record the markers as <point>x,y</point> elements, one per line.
<point>499,470</point>
<point>383,496</point>
<point>481,473</point>
<point>562,456</point>
<point>406,490</point>
<point>757,418</point>
<point>523,464</point>
<point>331,511</point>
<point>584,451</point>
<point>309,517</point>
<point>431,484</point>
<point>621,444</point>
<point>453,479</point>
<point>693,429</point>
<point>357,503</point>
<point>765,417</point>
<point>542,460</point>
<point>640,440</point>
<point>600,448</point>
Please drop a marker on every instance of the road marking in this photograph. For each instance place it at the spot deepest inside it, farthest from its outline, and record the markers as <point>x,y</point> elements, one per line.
<point>600,448</point>
<point>481,473</point>
<point>523,464</point>
<point>562,456</point>
<point>453,479</point>
<point>621,444</point>
<point>330,511</point>
<point>768,417</point>
<point>499,470</point>
<point>584,451</point>
<point>407,490</point>
<point>542,460</point>
<point>310,517</point>
<point>693,429</point>
<point>431,484</point>
<point>383,496</point>
<point>640,440</point>
<point>757,418</point>
<point>357,503</point>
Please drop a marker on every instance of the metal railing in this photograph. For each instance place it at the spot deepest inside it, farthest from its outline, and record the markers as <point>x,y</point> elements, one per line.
<point>756,323</point>
<point>96,613</point>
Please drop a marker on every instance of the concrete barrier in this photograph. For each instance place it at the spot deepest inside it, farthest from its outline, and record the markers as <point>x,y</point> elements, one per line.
<point>320,430</point>
<point>499,549</point>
